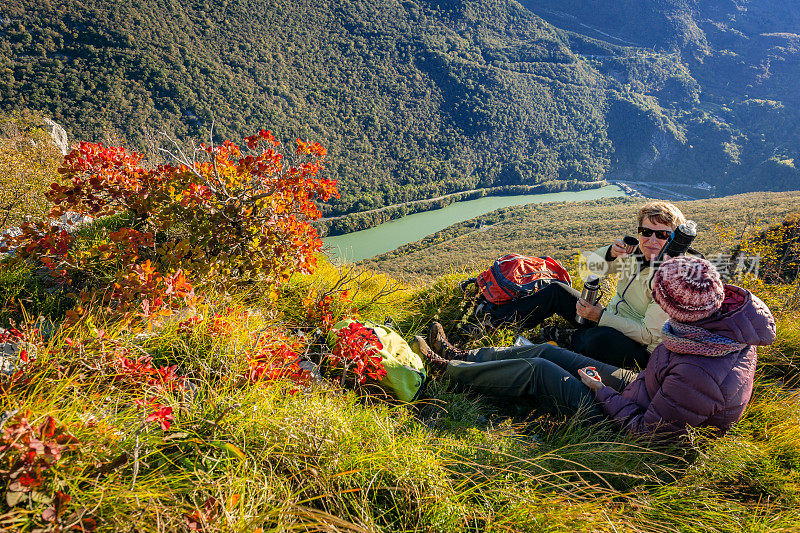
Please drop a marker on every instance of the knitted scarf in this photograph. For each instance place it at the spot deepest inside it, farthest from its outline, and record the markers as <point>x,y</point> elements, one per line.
<point>680,337</point>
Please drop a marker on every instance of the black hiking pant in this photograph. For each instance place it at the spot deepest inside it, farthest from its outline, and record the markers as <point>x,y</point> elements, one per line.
<point>542,373</point>
<point>553,299</point>
<point>610,346</point>
<point>598,342</point>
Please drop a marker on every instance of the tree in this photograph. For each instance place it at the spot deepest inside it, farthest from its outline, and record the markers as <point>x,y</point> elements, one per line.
<point>28,165</point>
<point>215,217</point>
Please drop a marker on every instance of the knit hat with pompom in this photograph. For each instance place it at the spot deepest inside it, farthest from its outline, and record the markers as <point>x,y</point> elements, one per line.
<point>688,288</point>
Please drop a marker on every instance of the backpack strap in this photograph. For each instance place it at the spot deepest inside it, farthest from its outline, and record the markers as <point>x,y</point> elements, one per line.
<point>466,283</point>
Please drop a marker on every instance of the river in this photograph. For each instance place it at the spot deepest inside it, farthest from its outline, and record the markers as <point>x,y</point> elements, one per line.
<point>390,235</point>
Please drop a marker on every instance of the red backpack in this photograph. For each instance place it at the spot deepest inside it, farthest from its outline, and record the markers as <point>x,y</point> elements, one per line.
<point>515,276</point>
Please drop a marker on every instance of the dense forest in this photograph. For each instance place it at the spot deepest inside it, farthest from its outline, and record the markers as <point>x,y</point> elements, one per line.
<point>416,99</point>
<point>411,99</point>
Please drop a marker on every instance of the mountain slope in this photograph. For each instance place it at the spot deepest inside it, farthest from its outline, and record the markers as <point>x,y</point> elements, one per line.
<point>417,98</point>
<point>738,130</point>
<point>412,99</point>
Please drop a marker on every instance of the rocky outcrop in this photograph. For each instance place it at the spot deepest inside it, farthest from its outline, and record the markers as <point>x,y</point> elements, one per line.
<point>12,353</point>
<point>69,221</point>
<point>57,133</point>
<point>8,357</point>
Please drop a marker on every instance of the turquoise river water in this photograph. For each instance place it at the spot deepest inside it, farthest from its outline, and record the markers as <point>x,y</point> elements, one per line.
<point>390,235</point>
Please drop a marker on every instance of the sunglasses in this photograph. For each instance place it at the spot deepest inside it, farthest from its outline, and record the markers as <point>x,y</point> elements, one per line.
<point>661,234</point>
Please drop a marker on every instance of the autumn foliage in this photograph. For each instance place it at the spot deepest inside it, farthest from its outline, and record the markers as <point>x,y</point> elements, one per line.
<point>217,219</point>
<point>28,164</point>
<point>27,452</point>
<point>778,248</point>
<point>357,353</point>
<point>219,216</point>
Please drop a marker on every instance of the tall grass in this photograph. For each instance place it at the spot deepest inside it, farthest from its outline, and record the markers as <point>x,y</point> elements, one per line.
<point>244,456</point>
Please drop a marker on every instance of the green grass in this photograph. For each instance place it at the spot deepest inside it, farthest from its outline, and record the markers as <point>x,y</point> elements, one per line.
<point>26,293</point>
<point>260,457</point>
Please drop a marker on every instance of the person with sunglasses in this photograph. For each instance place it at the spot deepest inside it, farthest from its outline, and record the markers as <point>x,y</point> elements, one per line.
<point>625,332</point>
<point>700,376</point>
<point>629,328</point>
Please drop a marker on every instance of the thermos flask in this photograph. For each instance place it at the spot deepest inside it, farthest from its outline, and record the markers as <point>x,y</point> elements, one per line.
<point>679,242</point>
<point>591,288</point>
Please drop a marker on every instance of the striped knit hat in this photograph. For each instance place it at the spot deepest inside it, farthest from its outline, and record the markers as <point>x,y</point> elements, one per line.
<point>688,288</point>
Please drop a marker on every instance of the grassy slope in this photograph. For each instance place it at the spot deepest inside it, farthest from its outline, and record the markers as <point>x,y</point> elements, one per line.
<point>565,229</point>
<point>256,456</point>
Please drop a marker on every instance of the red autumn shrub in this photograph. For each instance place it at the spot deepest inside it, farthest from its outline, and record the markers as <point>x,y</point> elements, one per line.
<point>325,309</point>
<point>10,335</point>
<point>156,412</point>
<point>140,371</point>
<point>215,217</point>
<point>27,452</point>
<point>356,353</point>
<point>273,359</point>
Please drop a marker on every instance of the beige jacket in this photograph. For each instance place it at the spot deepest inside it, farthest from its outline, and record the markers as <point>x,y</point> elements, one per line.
<point>632,310</point>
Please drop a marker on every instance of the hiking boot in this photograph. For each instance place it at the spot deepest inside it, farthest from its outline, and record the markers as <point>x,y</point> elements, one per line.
<point>559,335</point>
<point>436,364</point>
<point>438,342</point>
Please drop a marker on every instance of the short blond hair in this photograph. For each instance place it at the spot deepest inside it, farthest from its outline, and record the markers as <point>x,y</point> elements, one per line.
<point>662,213</point>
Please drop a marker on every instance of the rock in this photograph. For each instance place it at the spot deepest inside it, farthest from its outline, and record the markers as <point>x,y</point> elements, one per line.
<point>8,357</point>
<point>46,327</point>
<point>70,221</point>
<point>313,369</point>
<point>13,351</point>
<point>5,236</point>
<point>58,134</point>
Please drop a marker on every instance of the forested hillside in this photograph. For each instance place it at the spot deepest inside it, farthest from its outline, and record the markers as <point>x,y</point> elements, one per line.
<point>739,128</point>
<point>420,97</point>
<point>412,99</point>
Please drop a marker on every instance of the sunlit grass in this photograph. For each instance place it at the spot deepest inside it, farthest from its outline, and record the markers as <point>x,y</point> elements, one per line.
<point>244,456</point>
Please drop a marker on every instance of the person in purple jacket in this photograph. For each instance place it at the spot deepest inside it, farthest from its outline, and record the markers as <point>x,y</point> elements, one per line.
<point>701,375</point>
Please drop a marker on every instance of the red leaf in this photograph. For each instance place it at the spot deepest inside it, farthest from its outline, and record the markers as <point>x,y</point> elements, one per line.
<point>47,428</point>
<point>30,481</point>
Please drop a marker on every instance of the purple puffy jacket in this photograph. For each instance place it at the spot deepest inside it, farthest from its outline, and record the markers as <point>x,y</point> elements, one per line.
<point>676,390</point>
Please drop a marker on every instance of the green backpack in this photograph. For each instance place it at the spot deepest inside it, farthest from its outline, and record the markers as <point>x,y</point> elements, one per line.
<point>405,372</point>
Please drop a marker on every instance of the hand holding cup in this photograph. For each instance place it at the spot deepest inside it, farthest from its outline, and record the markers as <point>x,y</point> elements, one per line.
<point>619,249</point>
<point>624,247</point>
<point>630,244</point>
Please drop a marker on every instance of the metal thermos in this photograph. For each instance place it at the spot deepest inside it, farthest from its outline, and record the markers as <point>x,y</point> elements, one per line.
<point>591,288</point>
<point>679,242</point>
